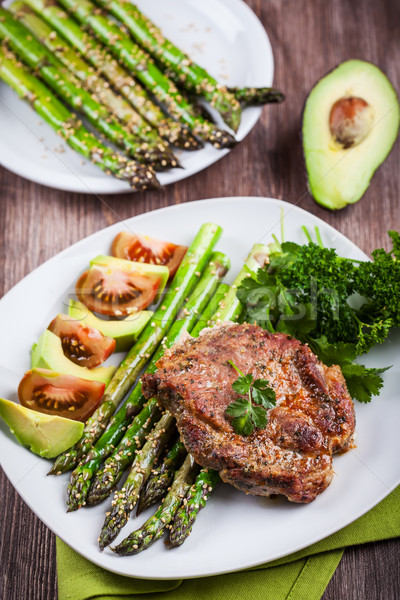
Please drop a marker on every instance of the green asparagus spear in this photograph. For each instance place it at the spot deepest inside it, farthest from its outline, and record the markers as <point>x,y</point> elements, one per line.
<point>112,471</point>
<point>118,76</point>
<point>195,500</point>
<point>140,427</point>
<point>181,69</point>
<point>102,481</point>
<point>257,96</point>
<point>230,307</point>
<point>154,527</point>
<point>162,477</point>
<point>68,87</point>
<point>66,124</point>
<point>144,69</point>
<point>185,279</point>
<point>158,150</point>
<point>125,501</point>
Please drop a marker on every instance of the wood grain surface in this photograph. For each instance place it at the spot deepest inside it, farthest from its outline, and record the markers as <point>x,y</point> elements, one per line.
<point>309,38</point>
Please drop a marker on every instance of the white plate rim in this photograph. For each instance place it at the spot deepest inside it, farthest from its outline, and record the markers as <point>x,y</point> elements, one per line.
<point>288,208</point>
<point>101,184</point>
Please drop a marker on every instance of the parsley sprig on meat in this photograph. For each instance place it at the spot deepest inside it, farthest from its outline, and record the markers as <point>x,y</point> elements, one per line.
<point>339,306</point>
<point>250,413</point>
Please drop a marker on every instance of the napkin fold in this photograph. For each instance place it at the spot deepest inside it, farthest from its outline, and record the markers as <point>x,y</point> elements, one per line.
<point>303,575</point>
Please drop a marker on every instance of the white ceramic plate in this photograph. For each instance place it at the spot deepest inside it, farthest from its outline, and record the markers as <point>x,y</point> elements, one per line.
<point>268,528</point>
<point>224,36</point>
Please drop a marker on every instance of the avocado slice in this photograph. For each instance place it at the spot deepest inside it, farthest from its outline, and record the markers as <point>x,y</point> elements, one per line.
<point>48,354</point>
<point>124,331</point>
<point>157,272</point>
<point>350,123</point>
<point>46,435</point>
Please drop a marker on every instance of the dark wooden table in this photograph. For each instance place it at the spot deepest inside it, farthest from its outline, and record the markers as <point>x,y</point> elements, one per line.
<point>308,38</point>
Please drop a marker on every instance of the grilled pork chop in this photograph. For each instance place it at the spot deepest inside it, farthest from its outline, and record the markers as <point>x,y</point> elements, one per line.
<point>313,417</point>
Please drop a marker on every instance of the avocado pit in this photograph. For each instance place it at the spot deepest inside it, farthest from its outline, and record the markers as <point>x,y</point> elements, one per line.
<point>350,121</point>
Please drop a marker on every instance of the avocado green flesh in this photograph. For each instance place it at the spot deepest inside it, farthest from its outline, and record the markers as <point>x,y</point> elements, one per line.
<point>45,435</point>
<point>338,176</point>
<point>48,354</point>
<point>124,331</point>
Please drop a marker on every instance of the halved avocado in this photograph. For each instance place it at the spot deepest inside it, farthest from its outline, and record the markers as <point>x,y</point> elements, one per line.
<point>124,331</point>
<point>46,435</point>
<point>48,354</point>
<point>350,122</point>
<point>157,272</point>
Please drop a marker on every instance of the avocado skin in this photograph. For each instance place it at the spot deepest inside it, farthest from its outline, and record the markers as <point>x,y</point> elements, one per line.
<point>45,435</point>
<point>338,177</point>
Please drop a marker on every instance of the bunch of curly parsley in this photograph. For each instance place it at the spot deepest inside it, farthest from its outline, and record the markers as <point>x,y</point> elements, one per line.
<point>339,306</point>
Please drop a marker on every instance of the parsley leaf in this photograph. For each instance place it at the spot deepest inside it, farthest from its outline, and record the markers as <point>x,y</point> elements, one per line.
<point>263,394</point>
<point>250,413</point>
<point>340,353</point>
<point>242,384</point>
<point>243,422</point>
<point>362,382</point>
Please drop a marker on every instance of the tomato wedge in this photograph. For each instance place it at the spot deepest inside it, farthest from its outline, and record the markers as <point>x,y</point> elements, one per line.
<point>143,248</point>
<point>63,395</point>
<point>115,291</point>
<point>85,346</point>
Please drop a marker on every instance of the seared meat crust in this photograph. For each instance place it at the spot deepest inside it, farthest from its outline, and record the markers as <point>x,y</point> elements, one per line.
<point>313,418</point>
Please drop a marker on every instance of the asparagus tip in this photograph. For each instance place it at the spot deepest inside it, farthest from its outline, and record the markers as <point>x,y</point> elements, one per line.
<point>223,139</point>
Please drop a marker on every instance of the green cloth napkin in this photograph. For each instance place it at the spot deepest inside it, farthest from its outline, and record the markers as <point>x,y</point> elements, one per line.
<point>300,576</point>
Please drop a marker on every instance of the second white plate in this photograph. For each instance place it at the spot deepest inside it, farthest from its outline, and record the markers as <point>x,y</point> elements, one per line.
<point>224,36</point>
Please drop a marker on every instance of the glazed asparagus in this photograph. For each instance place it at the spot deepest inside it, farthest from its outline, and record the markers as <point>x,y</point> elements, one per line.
<point>140,427</point>
<point>66,124</point>
<point>93,82</point>
<point>161,478</point>
<point>185,279</point>
<point>154,527</point>
<point>120,78</point>
<point>255,96</point>
<point>81,476</point>
<point>230,308</point>
<point>145,70</point>
<point>69,89</point>
<point>100,482</point>
<point>195,500</point>
<point>181,69</point>
<point>125,501</point>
